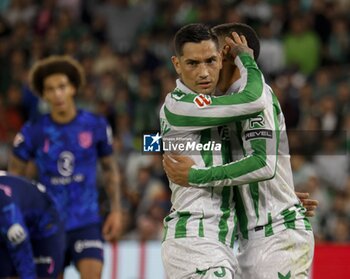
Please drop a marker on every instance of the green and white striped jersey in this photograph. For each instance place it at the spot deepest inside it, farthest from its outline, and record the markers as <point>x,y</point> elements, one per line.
<point>189,117</point>
<point>265,200</point>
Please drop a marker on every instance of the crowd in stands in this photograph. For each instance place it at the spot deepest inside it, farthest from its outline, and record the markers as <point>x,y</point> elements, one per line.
<point>125,47</point>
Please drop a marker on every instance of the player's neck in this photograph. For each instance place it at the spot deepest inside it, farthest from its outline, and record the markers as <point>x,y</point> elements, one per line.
<point>63,117</point>
<point>227,78</point>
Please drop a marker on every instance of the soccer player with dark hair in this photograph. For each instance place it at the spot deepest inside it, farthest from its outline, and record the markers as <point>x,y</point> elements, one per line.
<point>275,237</point>
<point>66,145</point>
<point>31,231</point>
<point>199,231</point>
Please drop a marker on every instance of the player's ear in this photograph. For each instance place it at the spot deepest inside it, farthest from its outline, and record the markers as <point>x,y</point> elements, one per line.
<point>176,63</point>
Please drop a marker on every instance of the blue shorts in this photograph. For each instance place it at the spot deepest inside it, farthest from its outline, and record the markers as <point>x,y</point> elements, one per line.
<point>84,243</point>
<point>48,256</point>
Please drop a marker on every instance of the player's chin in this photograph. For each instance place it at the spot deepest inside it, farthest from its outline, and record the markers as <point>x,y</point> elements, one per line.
<point>206,91</point>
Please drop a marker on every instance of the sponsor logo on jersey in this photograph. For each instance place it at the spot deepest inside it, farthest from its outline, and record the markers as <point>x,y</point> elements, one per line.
<point>202,100</point>
<point>152,142</point>
<point>257,122</point>
<point>177,94</point>
<point>258,133</point>
<point>19,138</point>
<point>60,180</point>
<point>65,163</point>
<point>16,234</point>
<point>85,139</point>
<point>81,245</point>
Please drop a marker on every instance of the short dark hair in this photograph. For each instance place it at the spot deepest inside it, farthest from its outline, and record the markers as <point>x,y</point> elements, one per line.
<point>193,33</point>
<point>226,29</point>
<point>56,64</point>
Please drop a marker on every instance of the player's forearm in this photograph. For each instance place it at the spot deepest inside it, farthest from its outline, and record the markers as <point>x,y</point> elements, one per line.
<point>112,185</point>
<point>184,111</point>
<point>258,164</point>
<point>113,191</point>
<point>250,169</point>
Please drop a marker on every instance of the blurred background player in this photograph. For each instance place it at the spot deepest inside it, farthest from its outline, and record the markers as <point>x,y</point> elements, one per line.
<point>66,145</point>
<point>31,231</point>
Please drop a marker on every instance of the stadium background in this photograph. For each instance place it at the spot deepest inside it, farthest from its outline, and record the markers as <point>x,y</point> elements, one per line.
<point>125,48</point>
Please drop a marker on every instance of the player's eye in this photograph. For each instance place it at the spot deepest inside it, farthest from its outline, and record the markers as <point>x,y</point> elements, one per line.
<point>62,86</point>
<point>192,63</point>
<point>211,60</point>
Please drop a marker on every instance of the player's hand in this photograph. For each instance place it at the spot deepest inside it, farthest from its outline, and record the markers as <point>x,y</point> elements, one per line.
<point>177,168</point>
<point>112,227</point>
<point>309,204</point>
<point>235,46</point>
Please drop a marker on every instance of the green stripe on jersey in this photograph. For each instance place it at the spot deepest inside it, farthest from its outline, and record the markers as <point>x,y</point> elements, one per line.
<point>166,220</point>
<point>225,145</point>
<point>180,227</point>
<point>276,112</point>
<point>235,231</point>
<point>289,218</point>
<point>225,209</point>
<point>275,102</point>
<point>207,155</point>
<point>254,192</point>
<point>201,228</point>
<point>307,224</point>
<point>268,226</point>
<point>197,121</point>
<point>302,211</point>
<point>241,214</point>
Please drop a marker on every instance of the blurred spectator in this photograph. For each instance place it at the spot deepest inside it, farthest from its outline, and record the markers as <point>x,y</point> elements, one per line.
<point>339,41</point>
<point>343,98</point>
<point>302,45</point>
<point>272,58</point>
<point>44,17</point>
<point>323,83</point>
<point>145,114</point>
<point>330,120</point>
<point>124,21</point>
<point>20,11</point>
<point>336,221</point>
<point>254,11</point>
<point>332,164</point>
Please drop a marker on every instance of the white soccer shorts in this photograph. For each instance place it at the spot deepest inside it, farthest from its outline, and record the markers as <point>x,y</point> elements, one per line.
<point>194,258</point>
<point>285,255</point>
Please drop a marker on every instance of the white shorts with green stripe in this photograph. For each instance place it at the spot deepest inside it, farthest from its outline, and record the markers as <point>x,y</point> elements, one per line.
<point>285,255</point>
<point>192,258</point>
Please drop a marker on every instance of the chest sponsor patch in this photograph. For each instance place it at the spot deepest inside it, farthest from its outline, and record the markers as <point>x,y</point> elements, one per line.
<point>258,134</point>
<point>202,100</point>
<point>85,139</point>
